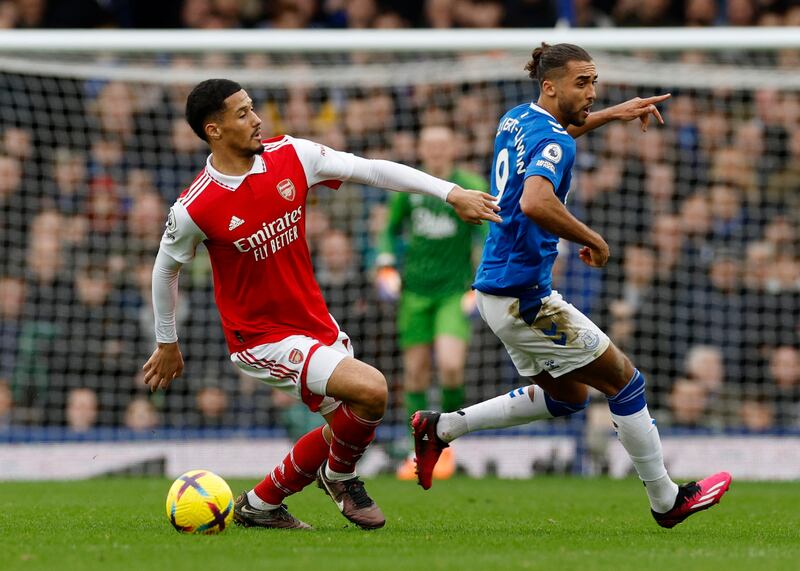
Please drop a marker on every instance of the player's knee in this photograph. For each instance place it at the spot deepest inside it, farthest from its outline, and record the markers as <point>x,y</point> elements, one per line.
<point>415,380</point>
<point>417,367</point>
<point>619,374</point>
<point>375,394</point>
<point>564,408</point>
<point>451,373</point>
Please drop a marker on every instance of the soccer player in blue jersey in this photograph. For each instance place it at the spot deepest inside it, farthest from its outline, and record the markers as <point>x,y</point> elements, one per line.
<point>547,338</point>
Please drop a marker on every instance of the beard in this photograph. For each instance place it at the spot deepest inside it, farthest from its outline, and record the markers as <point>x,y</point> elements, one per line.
<point>573,116</point>
<point>578,120</point>
<point>253,151</point>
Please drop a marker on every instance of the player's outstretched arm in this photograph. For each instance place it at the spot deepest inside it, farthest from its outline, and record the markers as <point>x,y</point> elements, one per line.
<point>322,163</point>
<point>472,206</point>
<point>636,108</point>
<point>166,362</point>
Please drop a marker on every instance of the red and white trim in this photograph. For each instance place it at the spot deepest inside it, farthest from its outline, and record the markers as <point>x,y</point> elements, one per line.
<point>313,401</point>
<point>297,468</point>
<point>275,145</point>
<point>274,368</point>
<point>196,189</point>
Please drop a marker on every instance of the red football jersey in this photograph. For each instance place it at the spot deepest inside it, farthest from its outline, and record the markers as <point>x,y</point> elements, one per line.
<point>254,229</point>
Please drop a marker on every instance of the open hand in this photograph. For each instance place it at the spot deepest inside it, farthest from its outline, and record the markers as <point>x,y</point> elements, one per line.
<point>388,283</point>
<point>164,365</point>
<point>473,206</point>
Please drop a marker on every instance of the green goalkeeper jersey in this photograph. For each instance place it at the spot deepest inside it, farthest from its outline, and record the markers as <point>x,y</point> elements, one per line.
<point>437,258</point>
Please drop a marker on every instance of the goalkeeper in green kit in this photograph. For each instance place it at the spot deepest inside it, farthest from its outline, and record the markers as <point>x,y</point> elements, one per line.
<point>435,296</point>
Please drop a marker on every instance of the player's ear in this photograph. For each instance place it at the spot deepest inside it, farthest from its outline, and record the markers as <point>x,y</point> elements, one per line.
<point>548,88</point>
<point>213,132</point>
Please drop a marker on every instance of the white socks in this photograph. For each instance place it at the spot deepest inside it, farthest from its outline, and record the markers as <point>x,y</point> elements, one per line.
<point>639,436</point>
<point>257,502</point>
<point>510,409</point>
<point>338,476</point>
<point>637,432</point>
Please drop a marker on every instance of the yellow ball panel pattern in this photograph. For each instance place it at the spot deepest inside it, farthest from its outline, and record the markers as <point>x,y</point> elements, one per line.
<point>199,501</point>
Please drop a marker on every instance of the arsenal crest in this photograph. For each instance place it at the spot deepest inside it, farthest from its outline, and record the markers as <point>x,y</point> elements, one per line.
<point>286,189</point>
<point>296,356</point>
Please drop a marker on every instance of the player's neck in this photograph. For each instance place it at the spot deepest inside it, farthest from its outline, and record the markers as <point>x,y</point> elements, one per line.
<point>551,107</point>
<point>231,164</point>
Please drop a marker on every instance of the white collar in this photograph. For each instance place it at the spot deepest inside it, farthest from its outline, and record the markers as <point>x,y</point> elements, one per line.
<point>542,111</point>
<point>233,182</point>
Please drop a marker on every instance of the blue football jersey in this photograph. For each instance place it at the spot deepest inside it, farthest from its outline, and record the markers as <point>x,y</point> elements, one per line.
<point>518,256</point>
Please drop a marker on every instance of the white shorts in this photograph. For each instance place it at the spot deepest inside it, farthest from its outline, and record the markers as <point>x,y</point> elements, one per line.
<point>560,338</point>
<point>298,365</point>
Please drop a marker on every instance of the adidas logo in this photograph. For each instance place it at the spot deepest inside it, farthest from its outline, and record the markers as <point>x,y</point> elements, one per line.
<point>235,223</point>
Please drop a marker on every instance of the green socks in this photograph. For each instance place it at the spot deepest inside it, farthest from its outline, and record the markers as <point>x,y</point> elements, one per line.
<point>416,401</point>
<point>452,399</point>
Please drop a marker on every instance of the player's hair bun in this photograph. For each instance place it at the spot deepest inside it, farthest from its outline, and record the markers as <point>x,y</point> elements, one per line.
<point>547,60</point>
<point>532,66</point>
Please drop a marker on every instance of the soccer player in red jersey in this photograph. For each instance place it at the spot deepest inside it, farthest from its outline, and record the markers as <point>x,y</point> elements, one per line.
<point>248,207</point>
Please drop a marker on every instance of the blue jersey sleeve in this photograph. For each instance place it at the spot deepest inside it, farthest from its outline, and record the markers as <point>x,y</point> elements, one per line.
<point>551,159</point>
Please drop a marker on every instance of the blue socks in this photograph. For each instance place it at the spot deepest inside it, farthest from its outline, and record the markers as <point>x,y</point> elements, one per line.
<point>631,398</point>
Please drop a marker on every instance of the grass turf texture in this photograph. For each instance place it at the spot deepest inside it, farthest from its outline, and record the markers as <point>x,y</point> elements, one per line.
<point>543,523</point>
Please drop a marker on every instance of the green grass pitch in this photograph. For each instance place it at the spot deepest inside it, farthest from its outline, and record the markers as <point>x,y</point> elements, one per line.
<point>543,523</point>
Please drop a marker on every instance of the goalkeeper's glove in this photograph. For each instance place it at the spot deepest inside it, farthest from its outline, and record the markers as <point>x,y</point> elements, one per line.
<point>469,304</point>
<point>388,283</point>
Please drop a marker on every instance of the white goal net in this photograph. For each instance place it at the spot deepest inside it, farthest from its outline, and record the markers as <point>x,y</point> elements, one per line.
<point>702,292</point>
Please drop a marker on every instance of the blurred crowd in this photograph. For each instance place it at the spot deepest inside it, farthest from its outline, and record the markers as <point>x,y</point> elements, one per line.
<point>705,294</point>
<point>298,14</point>
<point>702,216</point>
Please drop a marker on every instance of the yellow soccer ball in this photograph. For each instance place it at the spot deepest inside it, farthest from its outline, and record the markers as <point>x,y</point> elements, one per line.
<point>199,501</point>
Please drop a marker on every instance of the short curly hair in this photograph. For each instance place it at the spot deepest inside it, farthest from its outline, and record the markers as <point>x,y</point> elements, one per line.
<point>206,100</point>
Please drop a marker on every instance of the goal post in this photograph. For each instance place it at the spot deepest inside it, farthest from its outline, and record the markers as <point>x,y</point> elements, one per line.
<point>419,41</point>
